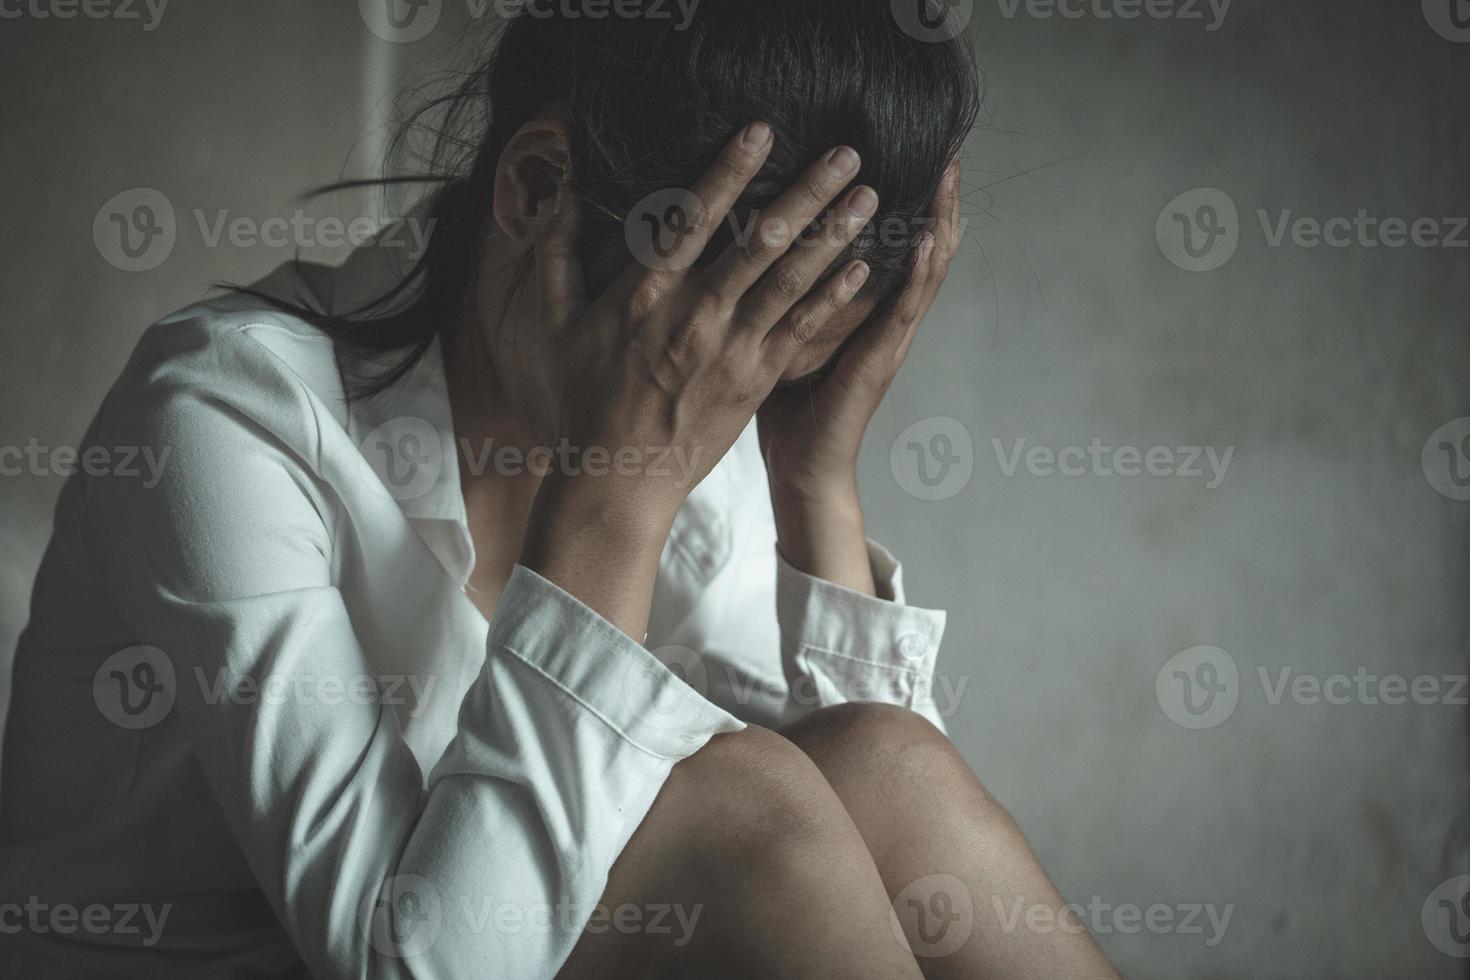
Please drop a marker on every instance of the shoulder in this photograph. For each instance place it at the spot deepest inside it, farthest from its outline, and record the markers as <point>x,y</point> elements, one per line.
<point>234,354</point>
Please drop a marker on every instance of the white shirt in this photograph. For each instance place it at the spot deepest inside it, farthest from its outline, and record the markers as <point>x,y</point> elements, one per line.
<point>255,714</point>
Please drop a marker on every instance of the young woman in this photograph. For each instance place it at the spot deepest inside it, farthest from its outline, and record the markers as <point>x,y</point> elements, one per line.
<point>362,687</point>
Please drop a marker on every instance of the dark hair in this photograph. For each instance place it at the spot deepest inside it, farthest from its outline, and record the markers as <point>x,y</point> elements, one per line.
<point>649,102</point>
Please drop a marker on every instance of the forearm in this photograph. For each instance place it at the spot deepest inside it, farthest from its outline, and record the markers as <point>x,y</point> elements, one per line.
<point>600,539</point>
<point>824,535</point>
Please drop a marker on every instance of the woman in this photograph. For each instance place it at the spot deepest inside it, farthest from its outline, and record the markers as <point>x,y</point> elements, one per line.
<point>362,687</point>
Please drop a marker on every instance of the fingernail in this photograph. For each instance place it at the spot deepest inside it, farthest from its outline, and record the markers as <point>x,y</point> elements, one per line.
<point>843,161</point>
<point>864,202</point>
<point>855,277</point>
<point>757,135</point>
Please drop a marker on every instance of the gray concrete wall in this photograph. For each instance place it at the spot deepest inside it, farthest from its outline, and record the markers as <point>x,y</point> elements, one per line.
<point>1324,550</point>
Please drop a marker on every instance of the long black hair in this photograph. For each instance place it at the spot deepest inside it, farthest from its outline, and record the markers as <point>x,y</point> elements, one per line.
<point>649,102</point>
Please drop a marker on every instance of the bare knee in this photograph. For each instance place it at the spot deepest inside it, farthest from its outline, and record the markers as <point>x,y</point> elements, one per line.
<point>748,834</point>
<point>886,752</point>
<point>872,730</point>
<point>752,789</point>
<point>868,721</point>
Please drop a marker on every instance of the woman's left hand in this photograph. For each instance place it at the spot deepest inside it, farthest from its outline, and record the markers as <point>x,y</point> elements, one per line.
<point>811,436</point>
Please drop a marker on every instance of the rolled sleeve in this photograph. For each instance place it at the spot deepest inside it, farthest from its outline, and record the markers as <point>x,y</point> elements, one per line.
<point>602,669</point>
<point>838,645</point>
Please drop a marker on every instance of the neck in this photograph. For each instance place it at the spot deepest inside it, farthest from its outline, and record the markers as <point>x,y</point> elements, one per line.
<point>492,441</point>
<point>477,396</point>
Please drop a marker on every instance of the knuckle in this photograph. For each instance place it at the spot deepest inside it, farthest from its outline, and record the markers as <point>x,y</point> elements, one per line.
<point>700,216</point>
<point>789,283</point>
<point>772,238</point>
<point>682,348</point>
<point>732,168</point>
<point>645,300</point>
<point>815,193</point>
<point>732,377</point>
<point>709,304</point>
<point>805,326</point>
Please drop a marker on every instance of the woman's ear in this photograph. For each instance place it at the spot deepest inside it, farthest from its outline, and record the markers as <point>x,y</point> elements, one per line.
<point>530,170</point>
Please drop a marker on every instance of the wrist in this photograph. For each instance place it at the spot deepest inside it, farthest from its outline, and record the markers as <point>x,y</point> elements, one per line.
<point>601,542</point>
<point>824,535</point>
<point>801,493</point>
<point>619,511</point>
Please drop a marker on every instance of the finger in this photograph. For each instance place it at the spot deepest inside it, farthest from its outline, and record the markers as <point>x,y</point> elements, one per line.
<point>889,339</point>
<point>947,213</point>
<point>930,292</point>
<point>708,203</point>
<point>805,322</point>
<point>775,230</point>
<point>559,273</point>
<point>793,277</point>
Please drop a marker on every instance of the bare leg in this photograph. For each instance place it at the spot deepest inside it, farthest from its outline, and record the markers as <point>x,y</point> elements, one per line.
<point>749,833</point>
<point>957,864</point>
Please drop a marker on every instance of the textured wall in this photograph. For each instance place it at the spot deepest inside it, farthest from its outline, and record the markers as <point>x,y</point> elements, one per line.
<point>1323,548</point>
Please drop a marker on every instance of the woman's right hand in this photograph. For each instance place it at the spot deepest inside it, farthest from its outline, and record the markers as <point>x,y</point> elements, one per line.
<point>675,359</point>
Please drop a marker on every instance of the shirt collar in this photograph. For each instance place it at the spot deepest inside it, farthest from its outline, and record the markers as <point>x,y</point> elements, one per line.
<point>406,432</point>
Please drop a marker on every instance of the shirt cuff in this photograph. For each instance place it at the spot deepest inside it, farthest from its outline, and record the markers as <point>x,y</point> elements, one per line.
<point>603,669</point>
<point>880,641</point>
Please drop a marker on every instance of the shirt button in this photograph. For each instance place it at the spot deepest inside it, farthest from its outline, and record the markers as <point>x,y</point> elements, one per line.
<point>913,646</point>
